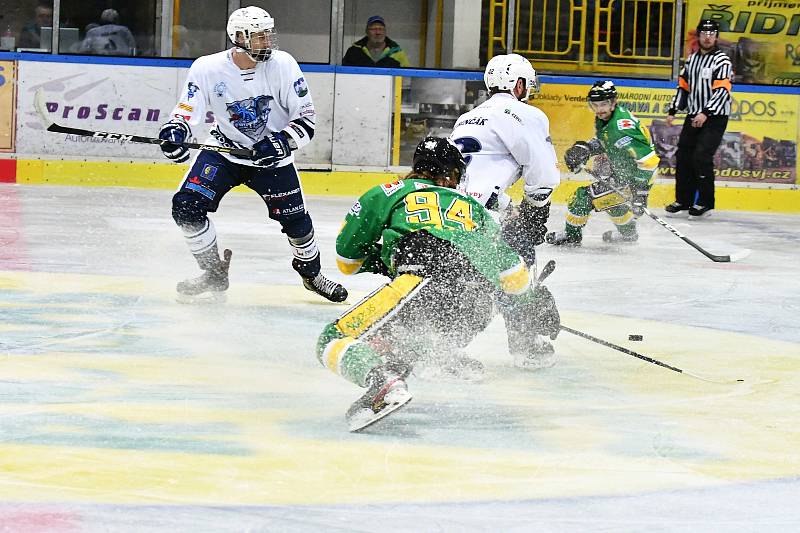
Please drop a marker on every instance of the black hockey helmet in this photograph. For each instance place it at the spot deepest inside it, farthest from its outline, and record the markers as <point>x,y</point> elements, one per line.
<point>439,156</point>
<point>602,90</point>
<point>708,25</point>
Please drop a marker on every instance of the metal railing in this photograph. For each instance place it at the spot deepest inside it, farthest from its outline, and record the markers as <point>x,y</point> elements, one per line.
<point>618,36</point>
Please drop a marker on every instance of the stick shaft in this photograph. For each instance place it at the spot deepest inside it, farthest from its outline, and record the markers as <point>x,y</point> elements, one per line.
<point>41,109</point>
<point>58,128</point>
<point>620,349</point>
<point>687,240</point>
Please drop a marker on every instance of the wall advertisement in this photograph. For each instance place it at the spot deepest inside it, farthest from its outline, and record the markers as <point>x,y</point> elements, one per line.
<point>122,99</point>
<point>94,97</point>
<point>760,144</point>
<point>762,38</point>
<point>7,92</point>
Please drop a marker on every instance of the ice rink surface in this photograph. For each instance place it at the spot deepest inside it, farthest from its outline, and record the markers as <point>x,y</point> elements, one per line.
<point>122,410</point>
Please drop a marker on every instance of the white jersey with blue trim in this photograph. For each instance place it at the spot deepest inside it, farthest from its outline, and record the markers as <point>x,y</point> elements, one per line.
<point>272,96</point>
<point>502,140</point>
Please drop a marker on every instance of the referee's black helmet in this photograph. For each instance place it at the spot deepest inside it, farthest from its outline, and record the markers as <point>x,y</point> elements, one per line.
<point>708,25</point>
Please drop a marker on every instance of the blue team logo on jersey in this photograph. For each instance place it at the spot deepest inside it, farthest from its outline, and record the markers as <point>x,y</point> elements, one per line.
<point>220,88</point>
<point>300,87</point>
<point>250,116</point>
<point>192,89</point>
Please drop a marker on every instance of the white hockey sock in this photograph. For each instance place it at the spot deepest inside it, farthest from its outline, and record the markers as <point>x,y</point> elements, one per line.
<point>200,240</point>
<point>304,248</point>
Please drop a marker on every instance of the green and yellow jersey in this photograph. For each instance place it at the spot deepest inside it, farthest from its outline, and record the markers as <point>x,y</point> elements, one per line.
<point>627,144</point>
<point>387,212</point>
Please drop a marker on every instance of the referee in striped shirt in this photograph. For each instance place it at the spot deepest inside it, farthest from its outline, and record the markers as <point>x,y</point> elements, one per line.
<point>704,91</point>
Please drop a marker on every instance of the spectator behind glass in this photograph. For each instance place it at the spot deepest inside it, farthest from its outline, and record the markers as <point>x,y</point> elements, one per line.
<point>109,38</point>
<point>375,49</point>
<point>31,33</point>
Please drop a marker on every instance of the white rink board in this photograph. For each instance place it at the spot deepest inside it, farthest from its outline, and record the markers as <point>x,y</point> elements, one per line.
<point>95,97</point>
<point>134,100</point>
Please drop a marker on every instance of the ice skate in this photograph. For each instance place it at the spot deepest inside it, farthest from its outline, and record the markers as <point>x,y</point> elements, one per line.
<point>562,238</point>
<point>386,393</point>
<point>209,287</point>
<point>326,288</point>
<point>698,211</point>
<point>615,237</point>
<point>675,210</point>
<point>542,356</point>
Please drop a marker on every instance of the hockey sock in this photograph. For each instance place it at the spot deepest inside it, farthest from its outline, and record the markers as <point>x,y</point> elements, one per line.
<point>306,255</point>
<point>202,242</point>
<point>346,356</point>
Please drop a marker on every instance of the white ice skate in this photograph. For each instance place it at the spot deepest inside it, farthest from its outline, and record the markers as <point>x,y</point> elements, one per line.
<point>615,237</point>
<point>542,356</point>
<point>208,288</point>
<point>386,393</point>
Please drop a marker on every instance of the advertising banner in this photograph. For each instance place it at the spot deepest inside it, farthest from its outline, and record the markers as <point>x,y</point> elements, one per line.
<point>7,90</point>
<point>760,144</point>
<point>762,38</point>
<point>128,100</point>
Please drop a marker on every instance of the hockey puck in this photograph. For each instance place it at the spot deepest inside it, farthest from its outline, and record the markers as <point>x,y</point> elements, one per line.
<point>635,337</point>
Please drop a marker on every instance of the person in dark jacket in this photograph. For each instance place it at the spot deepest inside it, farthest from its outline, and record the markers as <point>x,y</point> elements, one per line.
<point>375,49</point>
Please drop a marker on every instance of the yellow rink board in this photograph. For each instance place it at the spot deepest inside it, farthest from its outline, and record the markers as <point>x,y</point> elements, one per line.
<point>341,183</point>
<point>236,424</point>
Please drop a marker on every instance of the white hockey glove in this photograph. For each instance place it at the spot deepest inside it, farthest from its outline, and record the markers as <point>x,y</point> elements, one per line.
<point>271,149</point>
<point>175,131</point>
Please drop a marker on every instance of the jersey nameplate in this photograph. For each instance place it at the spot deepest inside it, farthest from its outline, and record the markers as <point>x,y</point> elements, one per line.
<point>478,121</point>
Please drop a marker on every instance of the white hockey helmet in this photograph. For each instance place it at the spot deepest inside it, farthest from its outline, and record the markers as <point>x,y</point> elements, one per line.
<point>247,22</point>
<point>503,71</point>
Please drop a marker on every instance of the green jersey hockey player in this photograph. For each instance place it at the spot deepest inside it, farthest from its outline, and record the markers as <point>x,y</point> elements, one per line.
<point>631,163</point>
<point>447,260</point>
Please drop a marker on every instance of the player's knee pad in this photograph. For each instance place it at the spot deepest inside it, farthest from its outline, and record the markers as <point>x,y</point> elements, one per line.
<point>189,210</point>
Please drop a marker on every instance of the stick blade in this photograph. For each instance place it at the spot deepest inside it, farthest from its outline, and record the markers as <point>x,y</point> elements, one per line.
<point>41,108</point>
<point>741,254</point>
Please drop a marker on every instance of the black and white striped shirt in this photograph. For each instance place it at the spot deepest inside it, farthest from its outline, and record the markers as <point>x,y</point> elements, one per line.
<point>704,85</point>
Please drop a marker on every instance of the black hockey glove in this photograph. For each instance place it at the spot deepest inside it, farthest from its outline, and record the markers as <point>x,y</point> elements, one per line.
<point>176,131</point>
<point>576,156</point>
<point>639,202</point>
<point>526,229</point>
<point>545,313</point>
<point>271,149</point>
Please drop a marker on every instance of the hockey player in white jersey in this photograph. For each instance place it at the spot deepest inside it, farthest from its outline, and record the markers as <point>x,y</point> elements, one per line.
<point>503,140</point>
<point>260,100</point>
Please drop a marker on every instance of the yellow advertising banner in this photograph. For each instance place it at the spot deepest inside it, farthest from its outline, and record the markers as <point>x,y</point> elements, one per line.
<point>759,146</point>
<point>7,105</point>
<point>762,38</point>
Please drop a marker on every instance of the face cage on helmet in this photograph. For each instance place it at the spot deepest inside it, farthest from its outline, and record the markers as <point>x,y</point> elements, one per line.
<point>259,55</point>
<point>598,106</point>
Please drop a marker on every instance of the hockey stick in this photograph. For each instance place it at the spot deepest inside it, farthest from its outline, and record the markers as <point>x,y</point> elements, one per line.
<point>644,357</point>
<point>716,258</point>
<point>548,269</point>
<point>41,109</point>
